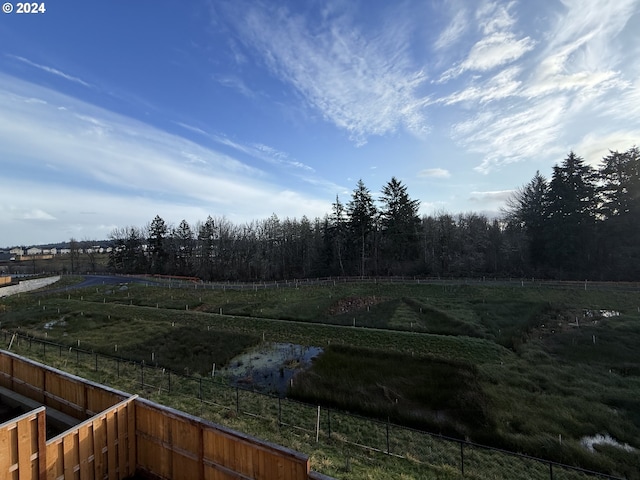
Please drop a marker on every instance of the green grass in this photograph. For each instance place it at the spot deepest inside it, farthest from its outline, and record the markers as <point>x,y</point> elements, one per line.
<point>421,392</point>
<point>496,364</point>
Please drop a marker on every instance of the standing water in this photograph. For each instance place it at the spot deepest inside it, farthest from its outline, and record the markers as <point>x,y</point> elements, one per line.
<point>270,367</point>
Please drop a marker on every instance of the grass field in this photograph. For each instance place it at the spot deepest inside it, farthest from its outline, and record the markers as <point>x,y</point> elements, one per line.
<point>531,369</point>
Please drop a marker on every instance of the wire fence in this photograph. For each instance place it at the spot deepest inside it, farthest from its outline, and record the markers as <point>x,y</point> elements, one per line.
<point>193,283</point>
<point>320,424</point>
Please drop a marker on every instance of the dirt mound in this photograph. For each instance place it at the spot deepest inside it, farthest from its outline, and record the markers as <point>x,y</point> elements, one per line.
<point>352,304</point>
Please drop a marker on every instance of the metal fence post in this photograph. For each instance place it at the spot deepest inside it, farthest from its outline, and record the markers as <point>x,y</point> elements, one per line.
<point>237,400</point>
<point>462,458</point>
<point>388,449</point>
<point>142,375</point>
<point>550,471</point>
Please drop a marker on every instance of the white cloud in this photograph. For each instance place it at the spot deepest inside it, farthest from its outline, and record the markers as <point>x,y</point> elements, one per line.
<point>578,77</point>
<point>504,84</point>
<point>89,151</point>
<point>491,197</point>
<point>50,70</point>
<point>490,52</point>
<point>593,147</point>
<point>454,31</point>
<point>435,173</point>
<point>498,46</point>
<point>34,214</point>
<point>506,138</point>
<point>362,83</point>
<point>235,83</point>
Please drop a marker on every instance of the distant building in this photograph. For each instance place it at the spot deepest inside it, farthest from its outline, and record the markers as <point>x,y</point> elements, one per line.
<point>34,251</point>
<point>17,251</point>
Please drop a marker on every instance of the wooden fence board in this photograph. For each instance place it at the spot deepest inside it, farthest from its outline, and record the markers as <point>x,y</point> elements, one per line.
<point>6,448</point>
<point>19,455</point>
<point>85,445</point>
<point>125,436</point>
<point>99,442</point>
<point>131,437</point>
<point>121,432</point>
<point>111,446</point>
<point>6,371</point>
<point>54,455</point>
<point>24,449</point>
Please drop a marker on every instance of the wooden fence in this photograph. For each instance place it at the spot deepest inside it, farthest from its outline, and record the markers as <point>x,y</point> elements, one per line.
<point>102,447</point>
<point>69,394</point>
<point>118,435</point>
<point>175,445</point>
<point>22,446</point>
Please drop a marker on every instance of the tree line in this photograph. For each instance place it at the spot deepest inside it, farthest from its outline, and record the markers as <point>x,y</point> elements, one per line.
<point>581,223</point>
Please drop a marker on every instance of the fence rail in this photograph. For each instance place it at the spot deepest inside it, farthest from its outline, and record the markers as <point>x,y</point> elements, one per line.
<point>322,424</point>
<point>191,283</point>
<point>131,436</point>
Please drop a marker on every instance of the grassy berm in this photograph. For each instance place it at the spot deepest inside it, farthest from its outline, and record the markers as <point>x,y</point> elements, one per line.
<point>524,367</point>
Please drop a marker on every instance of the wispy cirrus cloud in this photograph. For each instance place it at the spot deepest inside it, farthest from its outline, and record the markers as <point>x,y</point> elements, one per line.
<point>235,83</point>
<point>435,173</point>
<point>496,195</point>
<point>533,106</point>
<point>101,161</point>
<point>498,45</point>
<point>451,34</point>
<point>522,135</point>
<point>50,70</point>
<point>255,150</point>
<point>362,82</point>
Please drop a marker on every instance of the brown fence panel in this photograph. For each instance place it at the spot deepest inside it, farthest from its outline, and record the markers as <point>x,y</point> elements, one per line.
<point>174,445</point>
<point>28,380</point>
<point>6,371</point>
<point>65,394</point>
<point>21,444</point>
<point>101,447</point>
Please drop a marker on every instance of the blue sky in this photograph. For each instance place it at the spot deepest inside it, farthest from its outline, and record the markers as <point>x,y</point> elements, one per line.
<point>114,111</point>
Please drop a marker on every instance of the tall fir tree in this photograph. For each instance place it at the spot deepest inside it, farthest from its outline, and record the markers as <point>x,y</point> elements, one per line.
<point>400,225</point>
<point>526,210</point>
<point>362,220</point>
<point>571,208</point>
<point>619,211</point>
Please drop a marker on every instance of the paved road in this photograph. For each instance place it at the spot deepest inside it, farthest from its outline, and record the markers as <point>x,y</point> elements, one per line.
<point>97,280</point>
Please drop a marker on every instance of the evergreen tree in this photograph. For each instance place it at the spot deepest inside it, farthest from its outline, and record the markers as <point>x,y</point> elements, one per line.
<point>338,233</point>
<point>619,210</point>
<point>527,210</point>
<point>399,222</point>
<point>362,216</point>
<point>571,216</point>
<point>183,248</point>
<point>205,248</point>
<point>157,249</point>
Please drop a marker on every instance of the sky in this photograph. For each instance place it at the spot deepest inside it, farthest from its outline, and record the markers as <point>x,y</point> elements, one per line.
<point>113,111</point>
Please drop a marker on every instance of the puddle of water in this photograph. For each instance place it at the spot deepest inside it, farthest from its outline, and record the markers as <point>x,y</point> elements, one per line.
<point>606,439</point>
<point>53,323</point>
<point>601,313</point>
<point>270,367</point>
